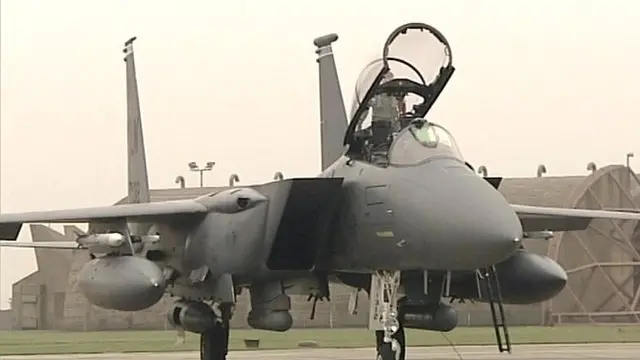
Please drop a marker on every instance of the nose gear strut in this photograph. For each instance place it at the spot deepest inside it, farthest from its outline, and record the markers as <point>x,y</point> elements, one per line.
<point>383,315</point>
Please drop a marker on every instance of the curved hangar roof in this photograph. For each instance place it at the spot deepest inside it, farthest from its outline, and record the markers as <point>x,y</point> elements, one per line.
<point>551,191</point>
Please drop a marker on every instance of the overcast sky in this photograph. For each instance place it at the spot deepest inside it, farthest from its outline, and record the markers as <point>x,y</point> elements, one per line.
<point>553,82</point>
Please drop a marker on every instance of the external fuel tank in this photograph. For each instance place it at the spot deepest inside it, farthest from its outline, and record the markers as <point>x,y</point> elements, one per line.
<point>525,278</point>
<point>126,283</point>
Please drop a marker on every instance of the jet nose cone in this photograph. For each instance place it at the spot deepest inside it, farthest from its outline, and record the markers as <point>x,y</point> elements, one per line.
<point>489,227</point>
<point>465,223</point>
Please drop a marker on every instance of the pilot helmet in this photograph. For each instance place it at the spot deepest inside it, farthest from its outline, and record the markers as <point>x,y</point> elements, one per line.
<point>419,122</point>
<point>388,76</point>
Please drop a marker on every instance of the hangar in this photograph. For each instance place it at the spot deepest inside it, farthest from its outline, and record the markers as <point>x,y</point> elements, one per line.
<point>38,299</point>
<point>603,263</point>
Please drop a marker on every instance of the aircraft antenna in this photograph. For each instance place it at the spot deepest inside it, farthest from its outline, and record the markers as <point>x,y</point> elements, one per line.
<point>128,46</point>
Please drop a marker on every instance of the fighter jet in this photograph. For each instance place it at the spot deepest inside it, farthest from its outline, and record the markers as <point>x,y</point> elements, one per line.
<point>396,211</point>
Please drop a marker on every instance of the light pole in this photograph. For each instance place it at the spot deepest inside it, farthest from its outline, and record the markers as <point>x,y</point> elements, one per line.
<point>592,167</point>
<point>180,180</point>
<point>194,167</point>
<point>232,179</point>
<point>541,170</point>
<point>629,156</point>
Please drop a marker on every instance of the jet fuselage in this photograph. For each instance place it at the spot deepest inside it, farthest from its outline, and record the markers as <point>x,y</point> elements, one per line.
<point>435,215</point>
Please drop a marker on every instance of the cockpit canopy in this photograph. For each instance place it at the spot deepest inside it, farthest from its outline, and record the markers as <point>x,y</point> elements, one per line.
<point>398,87</point>
<point>422,141</point>
<point>415,52</point>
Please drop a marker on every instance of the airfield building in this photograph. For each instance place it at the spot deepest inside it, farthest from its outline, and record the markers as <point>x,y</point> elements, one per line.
<point>603,263</point>
<point>38,300</point>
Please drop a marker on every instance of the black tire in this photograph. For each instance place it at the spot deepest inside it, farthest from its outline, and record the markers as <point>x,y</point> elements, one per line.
<point>384,349</point>
<point>214,343</point>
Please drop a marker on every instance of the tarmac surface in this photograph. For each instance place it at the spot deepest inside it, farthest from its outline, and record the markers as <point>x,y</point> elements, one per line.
<point>611,351</point>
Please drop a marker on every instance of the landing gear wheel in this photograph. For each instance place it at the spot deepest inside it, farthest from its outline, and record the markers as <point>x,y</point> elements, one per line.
<point>214,343</point>
<point>394,350</point>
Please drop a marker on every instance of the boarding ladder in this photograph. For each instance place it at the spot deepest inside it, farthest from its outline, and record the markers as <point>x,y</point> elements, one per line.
<point>496,305</point>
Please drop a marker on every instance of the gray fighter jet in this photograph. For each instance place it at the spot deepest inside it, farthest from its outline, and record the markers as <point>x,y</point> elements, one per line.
<point>396,211</point>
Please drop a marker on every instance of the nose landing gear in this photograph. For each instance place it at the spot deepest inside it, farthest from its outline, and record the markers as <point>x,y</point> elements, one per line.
<point>394,349</point>
<point>383,316</point>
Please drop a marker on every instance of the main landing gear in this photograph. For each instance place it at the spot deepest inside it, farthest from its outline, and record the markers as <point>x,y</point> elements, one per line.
<point>383,316</point>
<point>214,343</point>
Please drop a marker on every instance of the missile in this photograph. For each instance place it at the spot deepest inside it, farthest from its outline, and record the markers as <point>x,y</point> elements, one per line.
<point>108,240</point>
<point>147,239</point>
<point>546,235</point>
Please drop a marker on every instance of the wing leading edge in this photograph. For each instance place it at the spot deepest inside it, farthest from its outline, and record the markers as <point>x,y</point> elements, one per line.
<point>10,224</point>
<point>63,245</point>
<point>538,218</point>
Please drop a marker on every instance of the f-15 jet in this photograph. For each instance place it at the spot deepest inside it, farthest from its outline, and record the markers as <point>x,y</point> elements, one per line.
<point>396,211</point>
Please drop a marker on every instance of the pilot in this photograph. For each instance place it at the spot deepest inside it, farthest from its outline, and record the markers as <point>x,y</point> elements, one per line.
<point>404,116</point>
<point>384,113</point>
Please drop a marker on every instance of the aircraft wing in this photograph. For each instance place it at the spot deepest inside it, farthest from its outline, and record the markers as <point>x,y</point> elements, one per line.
<point>41,244</point>
<point>635,211</point>
<point>538,218</point>
<point>10,224</point>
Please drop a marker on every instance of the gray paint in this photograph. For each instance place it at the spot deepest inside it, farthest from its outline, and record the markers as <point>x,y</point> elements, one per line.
<point>423,209</point>
<point>525,278</point>
<point>225,240</point>
<point>426,230</point>
<point>125,283</point>
<point>137,165</point>
<point>333,117</point>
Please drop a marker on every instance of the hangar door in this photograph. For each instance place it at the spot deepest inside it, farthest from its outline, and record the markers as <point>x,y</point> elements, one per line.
<point>603,261</point>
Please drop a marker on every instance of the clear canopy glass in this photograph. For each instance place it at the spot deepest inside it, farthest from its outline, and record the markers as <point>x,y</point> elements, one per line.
<point>416,52</point>
<point>422,141</point>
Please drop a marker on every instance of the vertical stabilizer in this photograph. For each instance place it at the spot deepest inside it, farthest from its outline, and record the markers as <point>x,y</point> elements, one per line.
<point>333,118</point>
<point>137,174</point>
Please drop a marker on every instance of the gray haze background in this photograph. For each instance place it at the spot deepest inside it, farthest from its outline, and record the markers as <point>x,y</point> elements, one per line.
<point>553,82</point>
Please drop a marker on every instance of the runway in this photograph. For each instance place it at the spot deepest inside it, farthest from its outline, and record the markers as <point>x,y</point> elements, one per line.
<point>610,351</point>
